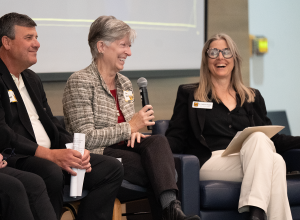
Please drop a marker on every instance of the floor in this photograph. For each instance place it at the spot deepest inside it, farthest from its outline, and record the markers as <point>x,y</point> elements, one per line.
<point>130,207</point>
<point>68,216</point>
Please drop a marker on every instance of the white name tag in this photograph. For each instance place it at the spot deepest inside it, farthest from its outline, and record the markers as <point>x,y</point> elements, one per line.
<point>12,97</point>
<point>205,105</point>
<point>128,95</point>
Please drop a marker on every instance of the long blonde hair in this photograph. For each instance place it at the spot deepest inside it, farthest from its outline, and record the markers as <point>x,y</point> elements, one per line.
<point>205,84</point>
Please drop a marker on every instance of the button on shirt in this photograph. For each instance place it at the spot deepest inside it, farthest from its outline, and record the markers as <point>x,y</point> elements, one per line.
<point>41,135</point>
<point>221,125</point>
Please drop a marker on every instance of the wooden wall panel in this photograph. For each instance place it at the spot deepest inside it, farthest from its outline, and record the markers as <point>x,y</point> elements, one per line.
<point>231,17</point>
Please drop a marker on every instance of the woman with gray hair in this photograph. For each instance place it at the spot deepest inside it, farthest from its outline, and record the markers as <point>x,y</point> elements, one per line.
<point>206,117</point>
<point>98,101</point>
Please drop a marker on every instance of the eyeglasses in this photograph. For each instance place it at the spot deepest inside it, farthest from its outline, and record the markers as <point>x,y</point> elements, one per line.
<point>213,53</point>
<point>7,153</point>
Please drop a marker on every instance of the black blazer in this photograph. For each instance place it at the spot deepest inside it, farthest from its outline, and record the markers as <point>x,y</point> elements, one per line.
<point>15,127</point>
<point>186,125</point>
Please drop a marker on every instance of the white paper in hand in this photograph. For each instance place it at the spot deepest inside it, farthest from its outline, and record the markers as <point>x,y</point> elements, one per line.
<point>77,181</point>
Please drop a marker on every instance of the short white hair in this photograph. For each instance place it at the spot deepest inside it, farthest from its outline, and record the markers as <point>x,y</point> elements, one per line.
<point>108,29</point>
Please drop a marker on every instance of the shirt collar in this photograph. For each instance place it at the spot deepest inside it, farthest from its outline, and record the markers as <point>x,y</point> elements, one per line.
<point>19,82</point>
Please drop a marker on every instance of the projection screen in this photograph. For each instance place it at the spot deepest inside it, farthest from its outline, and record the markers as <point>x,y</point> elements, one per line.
<point>170,33</point>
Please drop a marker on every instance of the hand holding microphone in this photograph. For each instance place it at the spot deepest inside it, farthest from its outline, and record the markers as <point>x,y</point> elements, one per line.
<point>142,84</point>
<point>145,115</point>
<point>142,118</point>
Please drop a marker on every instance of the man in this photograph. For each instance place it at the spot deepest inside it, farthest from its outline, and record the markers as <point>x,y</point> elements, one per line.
<point>28,126</point>
<point>23,195</point>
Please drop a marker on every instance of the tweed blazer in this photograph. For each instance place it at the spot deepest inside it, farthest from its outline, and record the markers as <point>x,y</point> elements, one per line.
<point>90,108</point>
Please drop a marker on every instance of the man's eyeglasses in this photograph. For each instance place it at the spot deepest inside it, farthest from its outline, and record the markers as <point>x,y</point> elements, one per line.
<point>213,53</point>
<point>7,153</point>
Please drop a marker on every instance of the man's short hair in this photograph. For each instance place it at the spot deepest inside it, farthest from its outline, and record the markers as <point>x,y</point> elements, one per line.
<point>8,22</point>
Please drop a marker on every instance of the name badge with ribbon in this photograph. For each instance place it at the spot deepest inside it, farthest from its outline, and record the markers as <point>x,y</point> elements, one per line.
<point>12,97</point>
<point>204,105</point>
<point>128,95</point>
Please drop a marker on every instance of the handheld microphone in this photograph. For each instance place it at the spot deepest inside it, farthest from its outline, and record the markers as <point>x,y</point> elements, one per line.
<point>142,84</point>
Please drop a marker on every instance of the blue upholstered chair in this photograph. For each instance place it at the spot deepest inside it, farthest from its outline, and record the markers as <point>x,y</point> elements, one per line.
<point>186,167</point>
<point>215,200</point>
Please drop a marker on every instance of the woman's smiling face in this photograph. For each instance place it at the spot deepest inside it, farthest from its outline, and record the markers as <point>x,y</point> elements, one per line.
<point>220,67</point>
<point>116,53</point>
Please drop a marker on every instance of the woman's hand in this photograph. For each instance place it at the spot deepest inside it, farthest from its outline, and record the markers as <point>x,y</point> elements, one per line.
<point>141,119</point>
<point>135,136</point>
<point>3,163</point>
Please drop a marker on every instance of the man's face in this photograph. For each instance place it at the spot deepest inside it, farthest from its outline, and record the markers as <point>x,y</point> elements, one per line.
<point>23,49</point>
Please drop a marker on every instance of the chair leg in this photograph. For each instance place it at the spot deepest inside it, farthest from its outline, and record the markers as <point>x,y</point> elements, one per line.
<point>72,207</point>
<point>69,208</point>
<point>117,212</point>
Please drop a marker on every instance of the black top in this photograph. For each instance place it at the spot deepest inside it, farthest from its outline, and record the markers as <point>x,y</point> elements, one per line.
<point>186,127</point>
<point>221,125</point>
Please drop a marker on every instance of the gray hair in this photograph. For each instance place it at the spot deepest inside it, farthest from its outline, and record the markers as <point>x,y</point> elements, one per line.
<point>8,22</point>
<point>108,29</point>
<point>205,84</point>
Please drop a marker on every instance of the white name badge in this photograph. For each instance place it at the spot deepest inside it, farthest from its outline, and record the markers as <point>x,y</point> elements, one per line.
<point>204,105</point>
<point>128,95</point>
<point>12,97</point>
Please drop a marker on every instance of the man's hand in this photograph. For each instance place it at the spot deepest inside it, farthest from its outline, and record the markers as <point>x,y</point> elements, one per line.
<point>141,119</point>
<point>65,158</point>
<point>135,136</point>
<point>3,163</point>
<point>86,161</point>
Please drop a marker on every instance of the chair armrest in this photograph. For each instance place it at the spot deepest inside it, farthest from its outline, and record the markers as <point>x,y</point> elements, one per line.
<point>291,158</point>
<point>187,167</point>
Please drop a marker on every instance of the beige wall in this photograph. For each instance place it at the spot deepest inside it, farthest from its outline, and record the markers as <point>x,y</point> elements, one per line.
<point>230,16</point>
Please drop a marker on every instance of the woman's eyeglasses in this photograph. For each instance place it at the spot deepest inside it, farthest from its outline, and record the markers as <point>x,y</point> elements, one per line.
<point>7,153</point>
<point>213,53</point>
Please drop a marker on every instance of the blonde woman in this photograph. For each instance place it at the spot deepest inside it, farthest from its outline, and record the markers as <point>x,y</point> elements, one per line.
<point>206,117</point>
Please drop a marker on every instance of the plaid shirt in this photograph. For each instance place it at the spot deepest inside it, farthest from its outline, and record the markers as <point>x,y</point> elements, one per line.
<point>90,108</point>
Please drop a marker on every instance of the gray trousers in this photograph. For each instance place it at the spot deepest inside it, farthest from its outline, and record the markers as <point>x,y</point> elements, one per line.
<point>149,163</point>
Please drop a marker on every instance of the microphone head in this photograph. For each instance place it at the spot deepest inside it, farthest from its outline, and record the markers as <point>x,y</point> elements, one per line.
<point>142,82</point>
